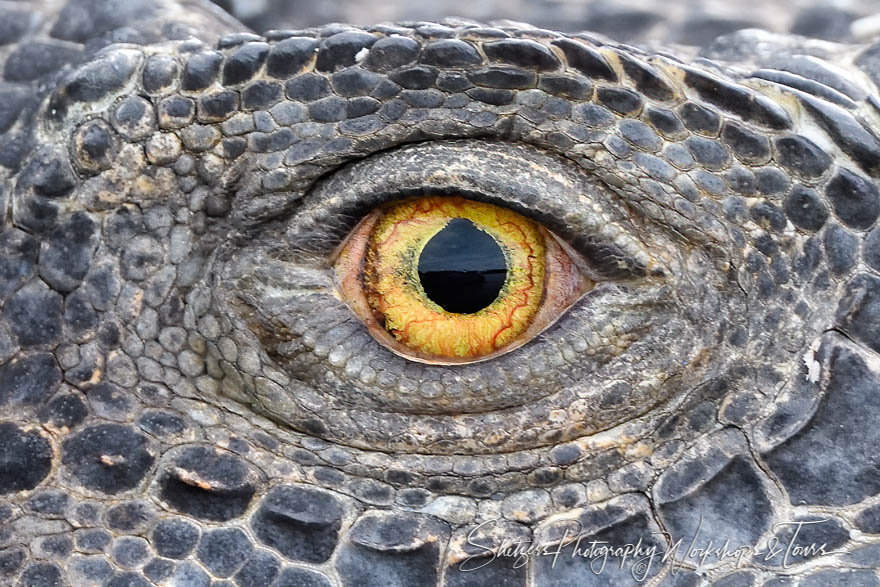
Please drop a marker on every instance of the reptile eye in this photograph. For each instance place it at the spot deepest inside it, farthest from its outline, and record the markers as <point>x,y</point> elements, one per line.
<point>447,280</point>
<point>392,300</point>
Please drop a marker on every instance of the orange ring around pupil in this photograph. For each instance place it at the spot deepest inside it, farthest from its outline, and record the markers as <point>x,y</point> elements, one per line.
<point>397,298</point>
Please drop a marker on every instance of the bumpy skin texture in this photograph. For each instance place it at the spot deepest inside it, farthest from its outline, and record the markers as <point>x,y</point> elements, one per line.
<point>184,400</point>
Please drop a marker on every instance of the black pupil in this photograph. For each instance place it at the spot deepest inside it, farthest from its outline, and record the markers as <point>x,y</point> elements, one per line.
<point>462,268</point>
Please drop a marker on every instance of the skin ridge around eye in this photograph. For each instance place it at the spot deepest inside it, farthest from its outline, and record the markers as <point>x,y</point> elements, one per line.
<point>619,318</point>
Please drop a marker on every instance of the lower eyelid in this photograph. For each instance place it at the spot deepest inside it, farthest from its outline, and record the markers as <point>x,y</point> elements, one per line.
<point>316,336</point>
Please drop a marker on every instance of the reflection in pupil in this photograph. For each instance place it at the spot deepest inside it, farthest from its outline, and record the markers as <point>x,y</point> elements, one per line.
<point>462,268</point>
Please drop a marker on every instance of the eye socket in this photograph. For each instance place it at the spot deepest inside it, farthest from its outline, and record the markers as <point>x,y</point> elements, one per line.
<point>446,280</point>
<point>606,362</point>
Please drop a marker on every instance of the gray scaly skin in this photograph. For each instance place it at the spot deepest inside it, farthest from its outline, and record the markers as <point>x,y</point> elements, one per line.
<point>184,401</point>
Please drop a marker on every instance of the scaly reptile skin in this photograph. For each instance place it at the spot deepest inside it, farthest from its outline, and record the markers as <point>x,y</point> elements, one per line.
<point>185,402</point>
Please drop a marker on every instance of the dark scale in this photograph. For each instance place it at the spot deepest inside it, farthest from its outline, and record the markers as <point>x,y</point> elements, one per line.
<point>462,268</point>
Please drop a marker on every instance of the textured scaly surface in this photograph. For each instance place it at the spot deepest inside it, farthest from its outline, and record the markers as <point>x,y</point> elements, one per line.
<point>184,401</point>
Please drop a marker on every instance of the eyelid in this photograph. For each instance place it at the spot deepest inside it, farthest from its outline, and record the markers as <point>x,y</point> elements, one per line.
<point>549,190</point>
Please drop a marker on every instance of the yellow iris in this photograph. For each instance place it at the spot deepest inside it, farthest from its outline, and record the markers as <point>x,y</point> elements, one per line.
<point>395,293</point>
<point>377,276</point>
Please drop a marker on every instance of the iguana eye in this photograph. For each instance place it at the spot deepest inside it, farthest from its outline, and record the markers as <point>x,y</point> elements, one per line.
<point>447,280</point>
<point>356,261</point>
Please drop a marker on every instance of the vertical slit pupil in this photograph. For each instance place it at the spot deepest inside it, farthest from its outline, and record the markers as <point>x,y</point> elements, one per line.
<point>462,268</point>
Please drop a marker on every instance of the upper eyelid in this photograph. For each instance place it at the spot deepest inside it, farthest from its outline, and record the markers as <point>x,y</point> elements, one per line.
<point>546,188</point>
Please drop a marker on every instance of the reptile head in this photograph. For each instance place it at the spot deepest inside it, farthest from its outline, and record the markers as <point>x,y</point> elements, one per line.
<point>186,396</point>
